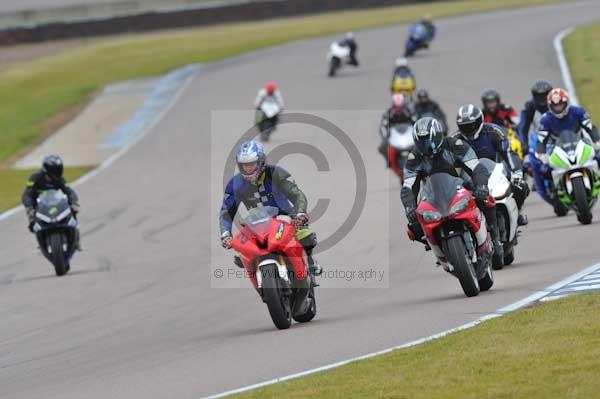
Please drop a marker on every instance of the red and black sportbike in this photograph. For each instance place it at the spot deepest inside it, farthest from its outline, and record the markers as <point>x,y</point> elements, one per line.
<point>455,227</point>
<point>277,266</point>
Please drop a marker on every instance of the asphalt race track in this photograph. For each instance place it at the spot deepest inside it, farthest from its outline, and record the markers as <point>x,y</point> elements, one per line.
<point>137,317</point>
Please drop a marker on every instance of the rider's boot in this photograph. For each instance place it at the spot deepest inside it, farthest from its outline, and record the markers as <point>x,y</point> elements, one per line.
<point>441,258</point>
<point>522,220</point>
<point>77,240</point>
<point>302,302</point>
<point>485,249</point>
<point>238,261</point>
<point>309,243</point>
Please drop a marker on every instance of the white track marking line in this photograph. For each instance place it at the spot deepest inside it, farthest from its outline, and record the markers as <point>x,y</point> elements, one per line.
<point>110,160</point>
<point>564,66</point>
<point>537,296</point>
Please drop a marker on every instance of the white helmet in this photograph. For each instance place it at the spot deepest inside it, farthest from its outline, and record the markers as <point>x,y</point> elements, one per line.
<point>350,35</point>
<point>401,62</point>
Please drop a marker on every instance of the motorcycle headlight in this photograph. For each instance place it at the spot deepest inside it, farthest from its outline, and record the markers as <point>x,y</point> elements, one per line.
<point>501,194</point>
<point>460,206</point>
<point>430,216</point>
<point>63,214</point>
<point>43,217</point>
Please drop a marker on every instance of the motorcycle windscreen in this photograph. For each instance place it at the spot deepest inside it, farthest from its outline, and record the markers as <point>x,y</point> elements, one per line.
<point>52,202</point>
<point>258,219</point>
<point>439,190</point>
<point>401,136</point>
<point>270,108</point>
<point>567,140</point>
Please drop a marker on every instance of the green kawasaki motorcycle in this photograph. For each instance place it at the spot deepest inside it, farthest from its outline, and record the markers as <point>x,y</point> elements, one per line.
<point>575,174</point>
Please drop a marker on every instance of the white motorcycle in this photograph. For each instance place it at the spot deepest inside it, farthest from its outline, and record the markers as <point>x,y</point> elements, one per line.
<point>337,56</point>
<point>268,118</point>
<point>507,212</point>
<point>399,144</point>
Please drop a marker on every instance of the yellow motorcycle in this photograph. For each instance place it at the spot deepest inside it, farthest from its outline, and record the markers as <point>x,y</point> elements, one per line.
<point>515,143</point>
<point>404,85</point>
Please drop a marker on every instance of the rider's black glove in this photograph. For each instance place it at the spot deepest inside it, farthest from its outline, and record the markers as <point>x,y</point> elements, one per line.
<point>300,220</point>
<point>30,214</point>
<point>226,239</point>
<point>411,216</point>
<point>413,223</point>
<point>481,192</point>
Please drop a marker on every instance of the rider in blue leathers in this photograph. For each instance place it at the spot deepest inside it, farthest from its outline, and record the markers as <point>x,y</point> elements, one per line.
<point>259,184</point>
<point>561,116</point>
<point>529,122</point>
<point>533,110</point>
<point>490,141</point>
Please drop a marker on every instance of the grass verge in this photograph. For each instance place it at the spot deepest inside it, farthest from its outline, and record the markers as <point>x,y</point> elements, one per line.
<point>12,184</point>
<point>547,351</point>
<point>582,48</point>
<point>32,92</point>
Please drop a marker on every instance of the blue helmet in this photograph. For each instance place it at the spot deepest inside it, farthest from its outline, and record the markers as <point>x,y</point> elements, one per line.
<point>251,158</point>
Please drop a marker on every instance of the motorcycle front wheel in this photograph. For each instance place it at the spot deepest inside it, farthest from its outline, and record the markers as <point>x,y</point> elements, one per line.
<point>458,256</point>
<point>312,310</point>
<point>584,213</point>
<point>57,255</point>
<point>278,304</point>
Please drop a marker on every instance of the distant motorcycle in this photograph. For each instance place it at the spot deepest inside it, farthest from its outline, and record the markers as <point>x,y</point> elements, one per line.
<point>575,174</point>
<point>452,221</point>
<point>55,229</point>
<point>404,85</point>
<point>418,38</point>
<point>507,212</point>
<point>268,117</point>
<point>399,144</point>
<point>275,261</point>
<point>337,57</point>
<point>515,143</point>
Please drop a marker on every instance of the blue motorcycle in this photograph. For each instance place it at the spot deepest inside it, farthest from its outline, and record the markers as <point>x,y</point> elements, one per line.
<point>420,36</point>
<point>543,180</point>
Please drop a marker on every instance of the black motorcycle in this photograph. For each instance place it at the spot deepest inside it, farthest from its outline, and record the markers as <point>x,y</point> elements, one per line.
<point>55,227</point>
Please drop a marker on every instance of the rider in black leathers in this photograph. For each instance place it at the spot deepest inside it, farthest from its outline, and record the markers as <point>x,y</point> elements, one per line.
<point>49,177</point>
<point>398,113</point>
<point>434,153</point>
<point>490,141</point>
<point>425,105</point>
<point>350,42</point>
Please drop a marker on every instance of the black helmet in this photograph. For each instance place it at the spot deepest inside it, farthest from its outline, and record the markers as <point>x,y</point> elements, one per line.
<point>422,95</point>
<point>539,92</point>
<point>469,120</point>
<point>428,136</point>
<point>53,166</point>
<point>490,96</point>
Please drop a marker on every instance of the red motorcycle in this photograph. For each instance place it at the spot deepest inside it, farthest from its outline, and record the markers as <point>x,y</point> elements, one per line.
<point>277,266</point>
<point>399,144</point>
<point>455,228</point>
